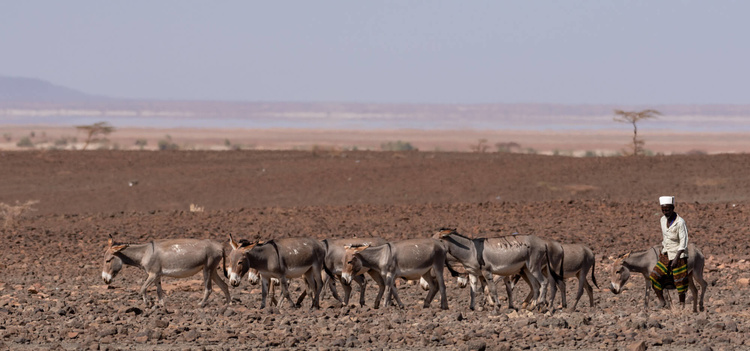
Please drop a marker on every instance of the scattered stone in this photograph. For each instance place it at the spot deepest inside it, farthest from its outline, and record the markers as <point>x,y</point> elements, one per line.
<point>160,323</point>
<point>637,346</point>
<point>106,331</point>
<point>134,310</point>
<point>141,337</point>
<point>191,335</point>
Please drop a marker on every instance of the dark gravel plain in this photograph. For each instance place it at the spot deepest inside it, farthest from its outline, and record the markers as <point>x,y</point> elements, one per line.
<point>52,295</point>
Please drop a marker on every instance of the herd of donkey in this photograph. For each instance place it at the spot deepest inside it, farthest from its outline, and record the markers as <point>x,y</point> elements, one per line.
<point>542,263</point>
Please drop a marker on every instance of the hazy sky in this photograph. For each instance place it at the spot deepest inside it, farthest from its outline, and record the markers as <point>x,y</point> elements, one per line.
<point>621,52</point>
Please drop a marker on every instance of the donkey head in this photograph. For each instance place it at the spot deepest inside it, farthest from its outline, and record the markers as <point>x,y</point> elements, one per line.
<point>620,274</point>
<point>352,263</point>
<point>443,232</point>
<point>238,263</point>
<point>112,260</point>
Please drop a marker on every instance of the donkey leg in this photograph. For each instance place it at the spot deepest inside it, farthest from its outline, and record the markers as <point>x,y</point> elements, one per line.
<point>563,290</point>
<point>263,291</point>
<point>360,279</point>
<point>389,287</point>
<point>530,296</point>
<point>539,287</point>
<point>318,286</point>
<point>693,293</point>
<point>698,275</point>
<point>381,287</point>
<point>310,288</point>
<point>159,291</point>
<point>331,282</point>
<point>149,280</point>
<point>272,291</point>
<point>284,292</point>
<point>207,287</point>
<point>432,289</point>
<point>489,288</point>
<point>508,290</point>
<point>589,291</point>
<point>304,294</point>
<point>392,291</point>
<point>582,284</point>
<point>441,286</point>
<point>472,291</point>
<point>223,286</point>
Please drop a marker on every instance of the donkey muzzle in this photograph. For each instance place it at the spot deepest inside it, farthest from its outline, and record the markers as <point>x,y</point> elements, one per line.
<point>106,277</point>
<point>616,289</point>
<point>346,278</point>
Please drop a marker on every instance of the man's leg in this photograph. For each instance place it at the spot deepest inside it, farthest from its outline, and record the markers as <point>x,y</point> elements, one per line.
<point>680,279</point>
<point>659,271</point>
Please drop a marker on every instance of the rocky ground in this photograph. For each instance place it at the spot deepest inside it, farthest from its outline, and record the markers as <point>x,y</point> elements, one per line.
<point>52,295</point>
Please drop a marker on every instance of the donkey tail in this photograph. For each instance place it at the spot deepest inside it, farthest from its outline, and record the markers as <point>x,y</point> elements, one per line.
<point>224,262</point>
<point>562,263</point>
<point>555,276</point>
<point>593,277</point>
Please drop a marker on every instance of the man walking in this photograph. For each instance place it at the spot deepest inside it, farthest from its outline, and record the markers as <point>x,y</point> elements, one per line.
<point>673,258</point>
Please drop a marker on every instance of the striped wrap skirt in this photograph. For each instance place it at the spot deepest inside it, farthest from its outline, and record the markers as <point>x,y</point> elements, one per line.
<point>663,277</point>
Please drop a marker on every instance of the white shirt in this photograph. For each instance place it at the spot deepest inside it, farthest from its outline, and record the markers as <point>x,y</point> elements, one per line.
<point>674,238</point>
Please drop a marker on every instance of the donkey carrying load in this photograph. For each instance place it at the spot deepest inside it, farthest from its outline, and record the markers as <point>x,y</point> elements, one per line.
<point>178,258</point>
<point>643,262</point>
<point>282,259</point>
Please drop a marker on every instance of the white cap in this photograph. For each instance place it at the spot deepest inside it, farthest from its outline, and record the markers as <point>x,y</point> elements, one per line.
<point>666,200</point>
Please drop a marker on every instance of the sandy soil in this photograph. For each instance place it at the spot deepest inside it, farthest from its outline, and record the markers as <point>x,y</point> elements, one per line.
<point>52,295</point>
<point>570,143</point>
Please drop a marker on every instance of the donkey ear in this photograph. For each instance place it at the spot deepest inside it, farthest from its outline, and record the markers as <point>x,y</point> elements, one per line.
<point>246,248</point>
<point>232,242</point>
<point>118,248</point>
<point>626,255</point>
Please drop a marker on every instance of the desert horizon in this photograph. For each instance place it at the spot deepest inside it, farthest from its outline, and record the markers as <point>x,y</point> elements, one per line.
<point>565,142</point>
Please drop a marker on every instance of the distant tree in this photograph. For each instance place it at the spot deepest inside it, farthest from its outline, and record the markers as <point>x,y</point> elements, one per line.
<point>167,144</point>
<point>141,143</point>
<point>481,146</point>
<point>25,142</point>
<point>507,147</point>
<point>397,146</point>
<point>633,117</point>
<point>94,130</point>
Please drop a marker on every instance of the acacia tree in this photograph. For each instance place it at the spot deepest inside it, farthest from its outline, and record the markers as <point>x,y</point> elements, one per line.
<point>633,117</point>
<point>93,130</point>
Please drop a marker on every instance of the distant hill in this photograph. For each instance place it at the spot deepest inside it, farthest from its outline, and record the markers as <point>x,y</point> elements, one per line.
<point>34,101</point>
<point>19,89</point>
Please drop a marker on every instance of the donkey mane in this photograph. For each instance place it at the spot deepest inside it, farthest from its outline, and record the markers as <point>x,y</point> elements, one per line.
<point>116,243</point>
<point>454,232</point>
<point>511,243</point>
<point>244,242</point>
